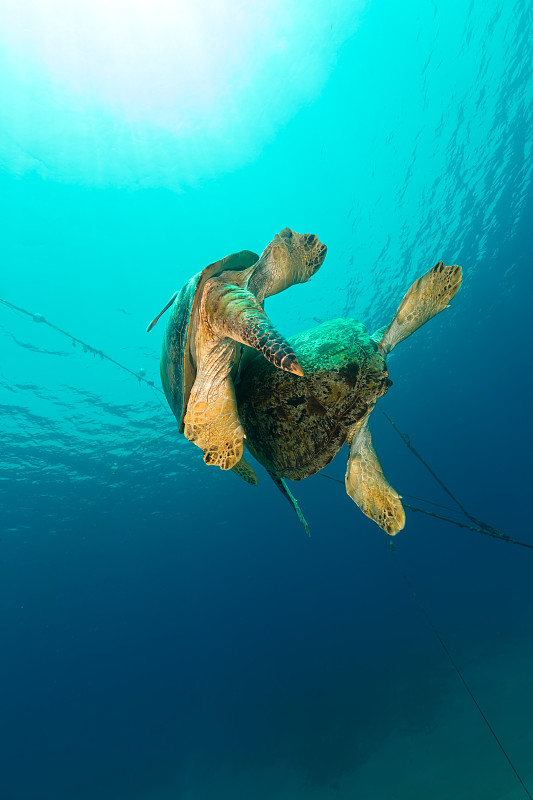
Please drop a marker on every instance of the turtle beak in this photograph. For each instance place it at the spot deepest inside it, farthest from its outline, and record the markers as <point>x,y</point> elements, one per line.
<point>319,255</point>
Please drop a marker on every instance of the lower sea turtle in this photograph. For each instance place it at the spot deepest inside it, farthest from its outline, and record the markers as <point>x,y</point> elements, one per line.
<point>295,425</point>
<point>215,322</point>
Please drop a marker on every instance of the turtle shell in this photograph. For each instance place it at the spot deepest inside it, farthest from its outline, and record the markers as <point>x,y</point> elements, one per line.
<point>178,365</point>
<point>296,425</point>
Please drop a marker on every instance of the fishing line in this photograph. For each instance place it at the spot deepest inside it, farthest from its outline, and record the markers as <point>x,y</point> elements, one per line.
<point>432,503</point>
<point>412,496</point>
<point>473,523</point>
<point>477,524</point>
<point>407,441</point>
<point>457,670</point>
<point>486,530</point>
<point>87,348</point>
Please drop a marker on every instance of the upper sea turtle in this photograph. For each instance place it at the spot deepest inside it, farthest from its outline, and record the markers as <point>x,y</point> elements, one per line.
<point>295,425</point>
<point>214,320</point>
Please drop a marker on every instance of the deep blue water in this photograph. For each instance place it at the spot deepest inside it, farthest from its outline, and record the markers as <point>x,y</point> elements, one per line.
<point>167,631</point>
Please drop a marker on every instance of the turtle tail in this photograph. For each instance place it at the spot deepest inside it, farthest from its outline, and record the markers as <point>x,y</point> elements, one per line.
<point>153,322</point>
<point>284,489</point>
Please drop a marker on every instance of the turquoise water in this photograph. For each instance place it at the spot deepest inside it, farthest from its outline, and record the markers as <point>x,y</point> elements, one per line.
<point>166,630</point>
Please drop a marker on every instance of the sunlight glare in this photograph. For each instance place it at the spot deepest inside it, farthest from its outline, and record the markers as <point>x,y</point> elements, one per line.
<point>226,73</point>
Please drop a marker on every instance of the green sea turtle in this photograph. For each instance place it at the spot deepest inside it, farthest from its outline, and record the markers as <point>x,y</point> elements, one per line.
<point>216,321</point>
<point>295,424</point>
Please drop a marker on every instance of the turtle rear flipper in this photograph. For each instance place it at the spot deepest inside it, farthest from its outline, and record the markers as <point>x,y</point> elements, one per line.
<point>212,421</point>
<point>428,296</point>
<point>367,485</point>
<point>245,471</point>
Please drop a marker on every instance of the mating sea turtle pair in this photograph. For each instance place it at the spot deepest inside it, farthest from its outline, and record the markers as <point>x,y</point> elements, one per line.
<point>299,403</point>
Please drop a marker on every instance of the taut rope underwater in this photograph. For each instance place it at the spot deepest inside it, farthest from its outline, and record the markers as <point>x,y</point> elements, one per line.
<point>470,522</point>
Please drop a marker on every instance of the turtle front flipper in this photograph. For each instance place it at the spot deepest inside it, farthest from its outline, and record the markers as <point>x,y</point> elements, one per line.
<point>235,313</point>
<point>428,296</point>
<point>367,485</point>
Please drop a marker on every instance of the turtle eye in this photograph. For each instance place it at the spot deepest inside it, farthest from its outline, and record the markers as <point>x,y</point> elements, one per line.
<point>286,232</point>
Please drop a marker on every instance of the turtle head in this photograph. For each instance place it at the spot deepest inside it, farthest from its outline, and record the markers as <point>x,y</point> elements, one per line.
<point>289,258</point>
<point>304,252</point>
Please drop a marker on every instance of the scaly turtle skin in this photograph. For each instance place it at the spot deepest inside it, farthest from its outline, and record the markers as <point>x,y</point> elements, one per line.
<point>214,321</point>
<point>296,425</point>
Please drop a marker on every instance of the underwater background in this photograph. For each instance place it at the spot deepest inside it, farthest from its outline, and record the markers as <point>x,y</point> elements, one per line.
<point>167,631</point>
